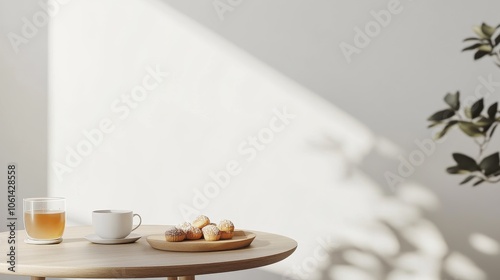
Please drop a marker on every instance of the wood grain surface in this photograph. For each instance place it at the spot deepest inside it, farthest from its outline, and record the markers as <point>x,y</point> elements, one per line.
<point>76,257</point>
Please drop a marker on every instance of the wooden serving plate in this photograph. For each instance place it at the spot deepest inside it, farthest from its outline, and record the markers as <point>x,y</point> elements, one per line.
<point>240,239</point>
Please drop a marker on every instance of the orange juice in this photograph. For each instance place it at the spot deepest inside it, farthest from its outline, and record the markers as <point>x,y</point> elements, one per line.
<point>44,224</point>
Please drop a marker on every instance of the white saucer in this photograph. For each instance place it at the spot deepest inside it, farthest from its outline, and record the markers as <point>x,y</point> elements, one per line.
<point>42,242</point>
<point>133,237</point>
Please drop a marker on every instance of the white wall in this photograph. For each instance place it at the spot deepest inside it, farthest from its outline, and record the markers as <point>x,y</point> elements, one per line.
<point>23,106</point>
<point>325,168</point>
<point>23,103</point>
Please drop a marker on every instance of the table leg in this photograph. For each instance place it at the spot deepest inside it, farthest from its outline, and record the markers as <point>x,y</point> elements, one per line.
<point>187,277</point>
<point>37,278</point>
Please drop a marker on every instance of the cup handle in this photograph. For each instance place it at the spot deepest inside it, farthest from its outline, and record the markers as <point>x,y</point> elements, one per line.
<point>140,221</point>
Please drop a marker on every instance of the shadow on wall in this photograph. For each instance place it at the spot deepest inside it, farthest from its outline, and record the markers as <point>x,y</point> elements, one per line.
<point>392,237</point>
<point>359,229</point>
<point>395,239</point>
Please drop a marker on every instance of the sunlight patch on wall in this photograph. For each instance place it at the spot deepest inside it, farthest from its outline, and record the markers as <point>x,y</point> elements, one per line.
<point>216,98</point>
<point>484,244</point>
<point>462,267</point>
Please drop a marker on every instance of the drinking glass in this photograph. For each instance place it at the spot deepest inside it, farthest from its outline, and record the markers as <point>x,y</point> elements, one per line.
<point>44,219</point>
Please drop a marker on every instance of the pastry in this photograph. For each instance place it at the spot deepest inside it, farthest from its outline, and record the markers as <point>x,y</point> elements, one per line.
<point>201,221</point>
<point>226,235</point>
<point>201,227</point>
<point>184,226</point>
<point>211,233</point>
<point>193,233</point>
<point>226,228</point>
<point>175,235</point>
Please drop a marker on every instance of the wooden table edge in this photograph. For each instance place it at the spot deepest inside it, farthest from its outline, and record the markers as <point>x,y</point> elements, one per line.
<point>147,272</point>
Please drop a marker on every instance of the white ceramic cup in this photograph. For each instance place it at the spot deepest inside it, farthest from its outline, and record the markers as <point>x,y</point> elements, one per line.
<point>114,224</point>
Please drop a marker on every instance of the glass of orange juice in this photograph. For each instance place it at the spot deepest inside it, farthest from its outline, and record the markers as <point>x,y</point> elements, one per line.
<point>44,219</point>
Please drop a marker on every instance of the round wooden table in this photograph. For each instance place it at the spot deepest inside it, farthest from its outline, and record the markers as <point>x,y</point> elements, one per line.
<point>76,257</point>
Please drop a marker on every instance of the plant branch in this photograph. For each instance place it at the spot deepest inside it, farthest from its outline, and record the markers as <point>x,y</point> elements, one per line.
<point>482,147</point>
<point>471,120</point>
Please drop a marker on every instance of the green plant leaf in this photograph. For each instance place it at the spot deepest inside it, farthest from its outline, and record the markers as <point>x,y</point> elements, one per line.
<point>493,131</point>
<point>479,32</point>
<point>456,170</point>
<point>453,100</point>
<point>472,39</point>
<point>495,172</point>
<point>497,40</point>
<point>442,115</point>
<point>471,47</point>
<point>467,113</point>
<point>487,30</point>
<point>434,124</point>
<point>445,129</point>
<point>478,182</point>
<point>465,162</point>
<point>490,164</point>
<point>477,108</point>
<point>486,47</point>
<point>480,54</point>
<point>483,122</point>
<point>467,179</point>
<point>492,111</point>
<point>470,129</point>
<point>476,39</point>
